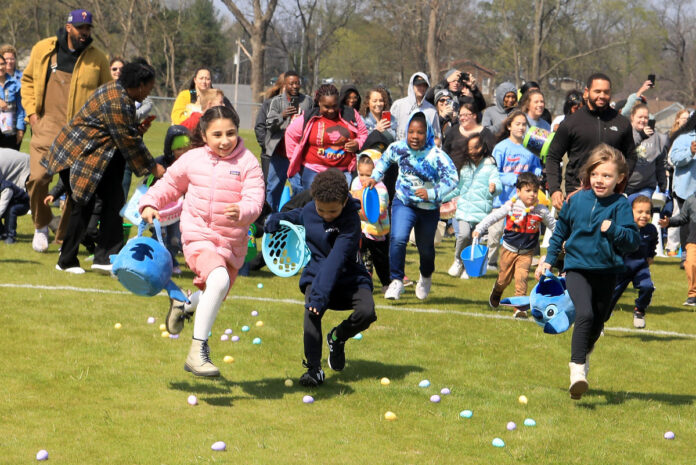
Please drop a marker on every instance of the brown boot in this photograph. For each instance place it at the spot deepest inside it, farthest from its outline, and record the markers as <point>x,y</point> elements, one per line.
<point>198,360</point>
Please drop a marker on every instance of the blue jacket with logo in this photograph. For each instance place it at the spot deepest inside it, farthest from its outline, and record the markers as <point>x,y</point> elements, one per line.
<point>513,159</point>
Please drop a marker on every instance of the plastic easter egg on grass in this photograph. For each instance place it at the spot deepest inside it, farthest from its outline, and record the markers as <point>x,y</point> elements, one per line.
<point>224,337</point>
<point>529,422</point>
<point>164,334</point>
<point>256,341</point>
<point>162,327</point>
<point>259,323</point>
<point>445,391</point>
<point>288,383</point>
<point>234,338</point>
<point>42,455</point>
<point>228,331</point>
<point>173,336</point>
<point>254,313</point>
<point>245,328</point>
<point>118,326</point>
<point>497,442</point>
<point>390,416</point>
<point>424,384</point>
<point>219,446</point>
<point>384,381</point>
<point>522,400</point>
<point>435,398</point>
<point>308,399</point>
<point>150,320</point>
<point>259,285</point>
<point>669,435</point>
<point>358,336</point>
<point>192,400</point>
<point>228,359</point>
<point>511,426</point>
<point>466,414</point>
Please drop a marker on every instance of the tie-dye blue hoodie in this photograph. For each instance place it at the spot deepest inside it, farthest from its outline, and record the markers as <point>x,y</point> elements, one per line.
<point>428,168</point>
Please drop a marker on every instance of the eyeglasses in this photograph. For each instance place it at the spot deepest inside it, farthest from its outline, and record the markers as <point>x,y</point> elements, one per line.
<point>116,68</point>
<point>465,115</point>
<point>444,100</point>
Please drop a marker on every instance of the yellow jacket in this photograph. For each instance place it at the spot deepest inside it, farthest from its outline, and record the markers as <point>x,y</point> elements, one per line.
<point>183,107</point>
<point>90,72</point>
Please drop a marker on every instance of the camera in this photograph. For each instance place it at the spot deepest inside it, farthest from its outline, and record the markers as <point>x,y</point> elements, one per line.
<point>464,78</point>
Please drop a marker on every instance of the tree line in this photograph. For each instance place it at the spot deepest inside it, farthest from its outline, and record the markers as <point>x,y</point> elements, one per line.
<point>370,42</point>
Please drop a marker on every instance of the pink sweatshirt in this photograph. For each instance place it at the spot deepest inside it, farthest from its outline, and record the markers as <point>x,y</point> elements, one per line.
<point>211,184</point>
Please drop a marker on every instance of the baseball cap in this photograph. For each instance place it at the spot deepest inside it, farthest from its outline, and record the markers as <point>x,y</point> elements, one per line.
<point>419,80</point>
<point>80,17</point>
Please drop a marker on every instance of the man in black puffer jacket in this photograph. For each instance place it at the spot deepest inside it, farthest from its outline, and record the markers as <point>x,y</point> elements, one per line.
<point>579,133</point>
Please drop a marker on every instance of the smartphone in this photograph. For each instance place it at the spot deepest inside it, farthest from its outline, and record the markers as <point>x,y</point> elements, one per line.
<point>651,124</point>
<point>295,101</point>
<point>651,78</point>
<point>386,115</point>
<point>149,119</point>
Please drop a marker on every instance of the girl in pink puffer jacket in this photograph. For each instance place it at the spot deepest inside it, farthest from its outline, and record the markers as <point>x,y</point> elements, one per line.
<point>224,191</point>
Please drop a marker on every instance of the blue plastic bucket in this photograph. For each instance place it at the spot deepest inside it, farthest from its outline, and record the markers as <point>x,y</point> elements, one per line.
<point>285,251</point>
<point>475,258</point>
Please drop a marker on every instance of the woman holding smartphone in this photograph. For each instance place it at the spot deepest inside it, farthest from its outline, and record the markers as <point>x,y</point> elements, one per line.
<point>376,115</point>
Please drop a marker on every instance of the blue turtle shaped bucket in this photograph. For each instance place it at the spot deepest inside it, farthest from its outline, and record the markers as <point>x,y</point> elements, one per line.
<point>144,265</point>
<point>475,258</point>
<point>285,251</point>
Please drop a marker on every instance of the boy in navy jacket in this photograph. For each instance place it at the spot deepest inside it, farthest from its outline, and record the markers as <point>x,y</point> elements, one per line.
<point>638,263</point>
<point>335,276</point>
<point>14,202</point>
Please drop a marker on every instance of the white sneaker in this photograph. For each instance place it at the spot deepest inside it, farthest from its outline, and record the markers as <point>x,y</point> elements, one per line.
<point>40,241</point>
<point>464,275</point>
<point>72,269</point>
<point>105,268</point>
<point>396,288</point>
<point>423,287</point>
<point>456,269</point>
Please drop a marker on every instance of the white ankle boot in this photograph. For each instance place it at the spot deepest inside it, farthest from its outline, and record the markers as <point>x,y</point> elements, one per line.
<point>198,360</point>
<point>578,380</point>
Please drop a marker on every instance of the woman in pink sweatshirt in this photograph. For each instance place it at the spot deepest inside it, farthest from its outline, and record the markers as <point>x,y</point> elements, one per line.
<point>224,189</point>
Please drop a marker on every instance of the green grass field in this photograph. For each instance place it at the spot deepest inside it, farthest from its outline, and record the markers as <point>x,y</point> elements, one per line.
<point>89,393</point>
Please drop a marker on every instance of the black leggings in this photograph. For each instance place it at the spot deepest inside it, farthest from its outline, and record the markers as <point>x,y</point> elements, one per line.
<point>591,294</point>
<point>363,305</point>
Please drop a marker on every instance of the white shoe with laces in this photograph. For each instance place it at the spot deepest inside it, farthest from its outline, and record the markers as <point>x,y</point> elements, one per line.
<point>396,288</point>
<point>72,269</point>
<point>40,241</point>
<point>456,269</point>
<point>423,287</point>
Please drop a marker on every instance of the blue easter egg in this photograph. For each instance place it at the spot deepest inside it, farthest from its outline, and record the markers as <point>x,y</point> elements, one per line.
<point>259,285</point>
<point>424,384</point>
<point>466,414</point>
<point>529,422</point>
<point>245,328</point>
<point>497,442</point>
<point>257,341</point>
<point>357,337</point>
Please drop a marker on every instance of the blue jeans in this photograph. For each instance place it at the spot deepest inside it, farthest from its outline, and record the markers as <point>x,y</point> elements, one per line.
<point>424,223</point>
<point>277,175</point>
<point>308,176</point>
<point>9,218</point>
<point>637,272</point>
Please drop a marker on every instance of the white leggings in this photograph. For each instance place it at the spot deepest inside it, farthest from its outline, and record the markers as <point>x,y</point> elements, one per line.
<point>207,303</point>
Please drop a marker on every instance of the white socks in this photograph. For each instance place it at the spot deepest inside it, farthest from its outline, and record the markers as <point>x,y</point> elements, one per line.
<point>209,301</point>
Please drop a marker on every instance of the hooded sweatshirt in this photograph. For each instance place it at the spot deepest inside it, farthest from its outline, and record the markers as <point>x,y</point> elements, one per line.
<point>494,116</point>
<point>402,109</point>
<point>651,163</point>
<point>344,93</point>
<point>428,168</point>
<point>167,157</point>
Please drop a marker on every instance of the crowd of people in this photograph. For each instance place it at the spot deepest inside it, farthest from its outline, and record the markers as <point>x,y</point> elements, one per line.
<point>440,159</point>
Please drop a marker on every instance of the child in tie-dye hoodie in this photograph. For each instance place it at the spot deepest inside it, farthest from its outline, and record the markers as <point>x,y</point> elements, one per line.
<point>426,175</point>
<point>375,236</point>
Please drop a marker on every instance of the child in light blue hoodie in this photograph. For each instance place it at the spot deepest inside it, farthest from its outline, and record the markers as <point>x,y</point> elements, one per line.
<point>426,176</point>
<point>479,184</point>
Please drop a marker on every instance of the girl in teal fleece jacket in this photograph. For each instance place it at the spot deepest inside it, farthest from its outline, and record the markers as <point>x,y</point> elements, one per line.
<point>596,224</point>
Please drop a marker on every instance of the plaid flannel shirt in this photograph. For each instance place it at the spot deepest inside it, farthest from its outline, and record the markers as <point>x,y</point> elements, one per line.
<point>104,125</point>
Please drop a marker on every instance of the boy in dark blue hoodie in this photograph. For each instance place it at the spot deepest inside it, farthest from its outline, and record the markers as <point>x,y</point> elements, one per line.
<point>335,276</point>
<point>14,202</point>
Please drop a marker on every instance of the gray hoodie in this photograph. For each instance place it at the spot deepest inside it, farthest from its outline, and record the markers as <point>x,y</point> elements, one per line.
<point>494,115</point>
<point>402,109</point>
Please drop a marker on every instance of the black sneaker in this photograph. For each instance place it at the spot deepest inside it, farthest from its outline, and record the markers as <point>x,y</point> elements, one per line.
<point>690,302</point>
<point>337,353</point>
<point>313,377</point>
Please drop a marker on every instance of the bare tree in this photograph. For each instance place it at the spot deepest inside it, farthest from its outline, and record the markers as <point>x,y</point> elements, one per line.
<point>257,31</point>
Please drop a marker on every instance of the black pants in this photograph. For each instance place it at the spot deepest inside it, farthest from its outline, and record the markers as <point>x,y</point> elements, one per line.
<point>110,235</point>
<point>379,251</point>
<point>591,294</point>
<point>8,141</point>
<point>683,230</point>
<point>360,300</point>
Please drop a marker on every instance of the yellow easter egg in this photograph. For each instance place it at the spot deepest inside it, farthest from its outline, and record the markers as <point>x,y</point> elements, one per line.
<point>228,359</point>
<point>390,416</point>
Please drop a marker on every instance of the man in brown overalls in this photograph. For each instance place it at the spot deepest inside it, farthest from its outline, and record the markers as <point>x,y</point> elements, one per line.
<point>62,72</point>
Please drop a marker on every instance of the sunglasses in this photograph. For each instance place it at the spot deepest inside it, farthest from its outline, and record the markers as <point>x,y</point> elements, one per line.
<point>116,68</point>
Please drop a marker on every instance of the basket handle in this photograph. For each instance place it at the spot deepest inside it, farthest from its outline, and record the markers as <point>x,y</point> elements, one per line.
<point>158,229</point>
<point>474,243</point>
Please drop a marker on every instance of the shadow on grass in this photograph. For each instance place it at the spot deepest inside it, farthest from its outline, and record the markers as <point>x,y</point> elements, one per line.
<point>659,309</point>
<point>619,397</point>
<point>218,392</point>
<point>19,260</point>
<point>649,337</point>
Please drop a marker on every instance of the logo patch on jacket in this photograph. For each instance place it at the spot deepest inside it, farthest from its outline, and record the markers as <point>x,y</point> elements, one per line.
<point>235,173</point>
